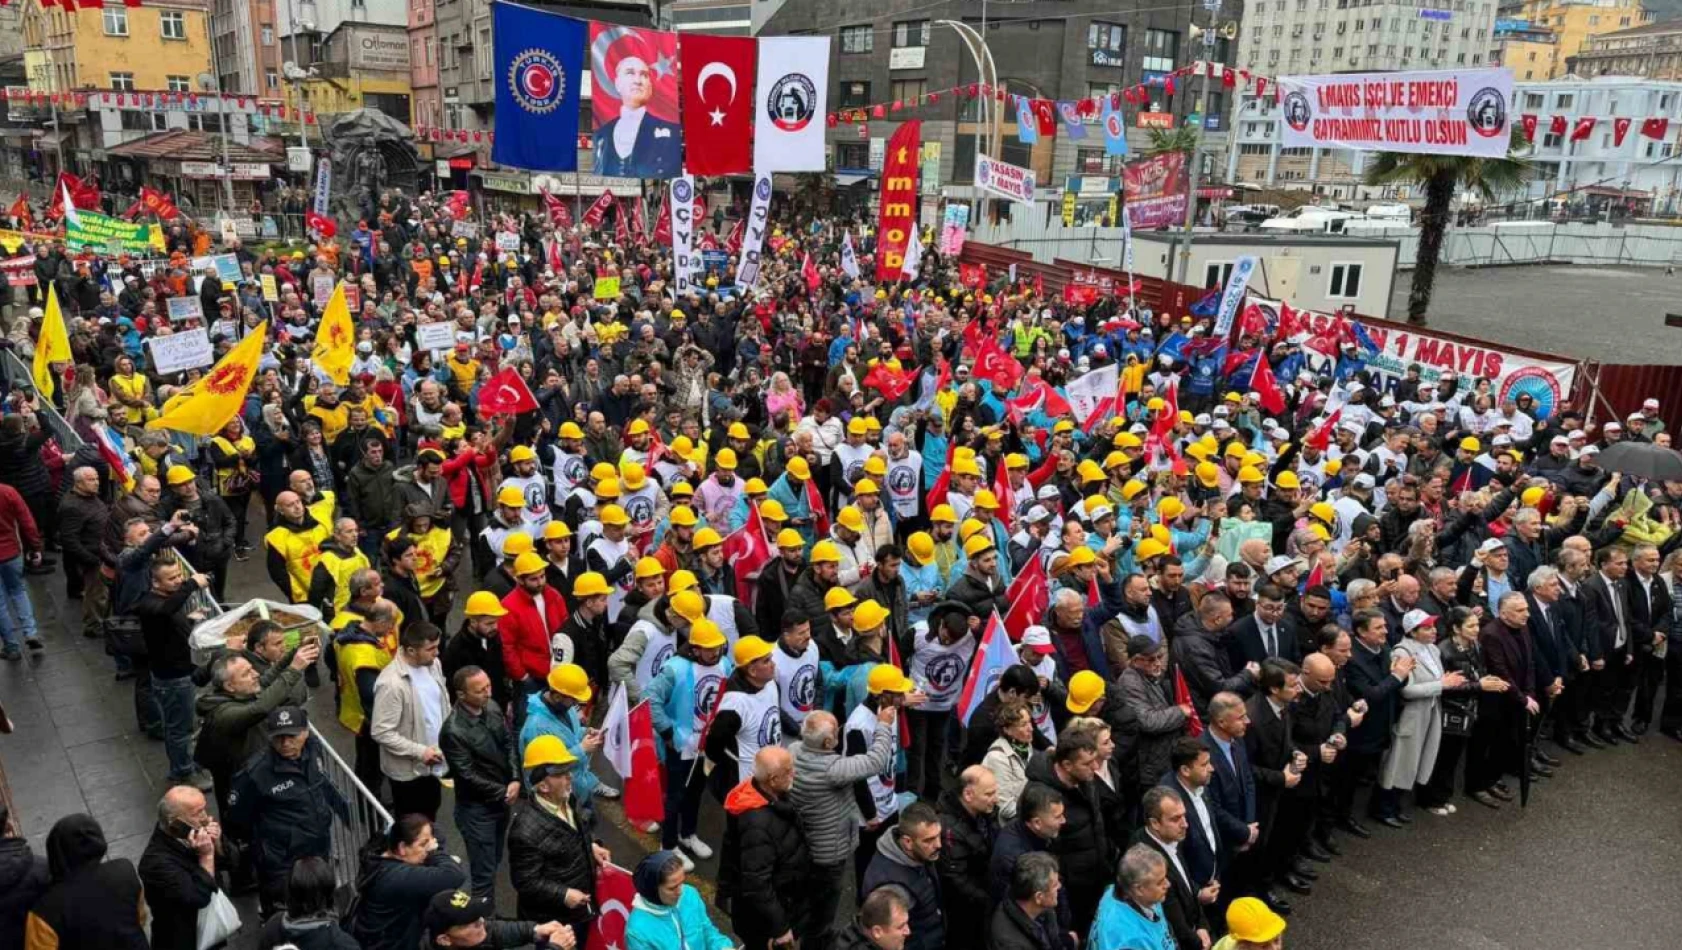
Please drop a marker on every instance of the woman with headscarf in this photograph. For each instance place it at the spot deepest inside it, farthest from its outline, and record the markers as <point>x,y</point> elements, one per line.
<point>667,913</point>
<point>91,902</point>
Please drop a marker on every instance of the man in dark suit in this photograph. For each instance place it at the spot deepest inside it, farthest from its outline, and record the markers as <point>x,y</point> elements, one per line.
<point>1575,707</point>
<point>1604,610</point>
<point>1276,764</point>
<point>1232,786</point>
<point>1265,634</point>
<point>1556,655</point>
<point>1648,615</point>
<point>636,144</point>
<point>1375,679</point>
<point>1201,851</point>
<point>1164,832</point>
<point>1509,654</point>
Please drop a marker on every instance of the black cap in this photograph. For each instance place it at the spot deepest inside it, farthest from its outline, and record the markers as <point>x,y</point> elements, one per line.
<point>288,721</point>
<point>454,909</point>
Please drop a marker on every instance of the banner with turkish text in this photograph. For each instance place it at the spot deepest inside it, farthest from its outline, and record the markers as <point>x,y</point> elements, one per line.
<point>758,222</point>
<point>896,222</point>
<point>1433,112</point>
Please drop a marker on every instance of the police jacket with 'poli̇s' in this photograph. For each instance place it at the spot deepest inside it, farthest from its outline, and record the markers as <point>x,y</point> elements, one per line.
<point>285,808</point>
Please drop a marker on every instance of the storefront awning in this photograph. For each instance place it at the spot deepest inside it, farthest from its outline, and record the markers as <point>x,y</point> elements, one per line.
<point>848,181</point>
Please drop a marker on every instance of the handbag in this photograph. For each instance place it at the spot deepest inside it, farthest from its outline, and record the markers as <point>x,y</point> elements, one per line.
<point>1458,721</point>
<point>218,922</point>
<point>124,636</point>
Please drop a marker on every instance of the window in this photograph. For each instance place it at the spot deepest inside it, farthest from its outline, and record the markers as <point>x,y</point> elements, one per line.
<point>1161,46</point>
<point>133,121</point>
<point>122,82</point>
<point>116,21</point>
<point>854,94</point>
<point>852,155</point>
<point>910,91</point>
<point>177,84</point>
<point>483,49</point>
<point>857,39</point>
<point>1533,100</point>
<point>1215,273</point>
<point>204,122</point>
<point>911,33</point>
<point>1346,281</point>
<point>1550,140</point>
<point>268,35</point>
<point>272,79</point>
<point>173,25</point>
<point>1106,36</point>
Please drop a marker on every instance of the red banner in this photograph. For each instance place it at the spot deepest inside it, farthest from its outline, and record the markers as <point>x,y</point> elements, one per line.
<point>663,220</point>
<point>559,214</point>
<point>158,203</point>
<point>598,211</point>
<point>972,275</point>
<point>896,224</point>
<point>718,93</point>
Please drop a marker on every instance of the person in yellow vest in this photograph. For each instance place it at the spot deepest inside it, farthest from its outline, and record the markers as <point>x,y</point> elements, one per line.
<point>437,552</point>
<point>325,408</point>
<point>131,396</point>
<point>340,557</point>
<point>154,454</point>
<point>322,505</point>
<point>364,647</point>
<point>294,545</point>
<point>465,371</point>
<point>233,455</point>
<point>360,395</point>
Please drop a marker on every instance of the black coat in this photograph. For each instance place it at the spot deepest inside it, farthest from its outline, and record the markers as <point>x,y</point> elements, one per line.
<point>546,856</point>
<point>965,852</point>
<point>1083,848</point>
<point>465,649</point>
<point>309,933</point>
<point>20,462</point>
<point>23,878</point>
<point>1231,796</point>
<point>1015,840</point>
<point>1010,929</point>
<point>1201,655</point>
<point>1267,744</point>
<point>764,869</point>
<point>891,865</point>
<point>177,888</point>
<point>480,751</point>
<point>1368,675</point>
<point>1600,618</point>
<point>392,896</point>
<point>1646,614</point>
<point>1244,642</point>
<point>978,595</point>
<point>285,807</point>
<point>1185,914</point>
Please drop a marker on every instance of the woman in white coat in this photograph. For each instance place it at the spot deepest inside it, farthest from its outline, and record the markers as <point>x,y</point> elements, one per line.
<point>1007,757</point>
<point>1419,727</point>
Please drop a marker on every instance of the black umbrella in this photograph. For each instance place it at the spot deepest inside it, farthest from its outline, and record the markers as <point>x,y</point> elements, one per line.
<point>1643,460</point>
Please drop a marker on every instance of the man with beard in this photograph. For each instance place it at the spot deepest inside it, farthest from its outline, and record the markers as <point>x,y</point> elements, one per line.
<point>808,597</point>
<point>427,485</point>
<point>339,558</point>
<point>371,495</point>
<point>748,717</point>
<point>778,581</point>
<point>979,587</point>
<point>505,521</point>
<point>941,651</point>
<point>530,484</point>
<point>720,492</point>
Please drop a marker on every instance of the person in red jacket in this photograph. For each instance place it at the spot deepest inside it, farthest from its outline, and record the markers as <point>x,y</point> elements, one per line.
<point>535,614</point>
<point>18,535</point>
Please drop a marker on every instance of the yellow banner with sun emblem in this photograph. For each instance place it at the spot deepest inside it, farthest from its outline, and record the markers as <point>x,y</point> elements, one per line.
<point>209,404</point>
<point>335,343</point>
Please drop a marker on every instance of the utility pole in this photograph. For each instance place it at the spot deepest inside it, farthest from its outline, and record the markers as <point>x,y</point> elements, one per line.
<point>1214,8</point>
<point>215,84</point>
<point>297,83</point>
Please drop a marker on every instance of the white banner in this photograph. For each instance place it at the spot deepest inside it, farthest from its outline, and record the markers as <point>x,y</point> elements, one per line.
<point>1236,281</point>
<point>180,308</point>
<point>850,257</point>
<point>1088,394</point>
<point>1003,179</point>
<point>790,102</point>
<point>1436,112</point>
<point>684,260</point>
<point>435,336</point>
<point>913,259</point>
<point>188,349</point>
<point>323,183</point>
<point>753,238</point>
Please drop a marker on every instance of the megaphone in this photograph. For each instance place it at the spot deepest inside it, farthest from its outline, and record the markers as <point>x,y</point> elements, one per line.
<point>1229,30</point>
<point>1195,32</point>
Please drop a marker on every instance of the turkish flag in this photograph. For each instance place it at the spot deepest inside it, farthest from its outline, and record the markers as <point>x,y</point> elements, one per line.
<point>615,893</point>
<point>809,271</point>
<point>1620,128</point>
<point>1030,598</point>
<point>506,394</point>
<point>733,243</point>
<point>320,224</point>
<point>663,220</point>
<point>1583,129</point>
<point>1556,125</point>
<point>1529,123</point>
<point>747,552</point>
<point>820,514</point>
<point>455,204</point>
<point>1267,388</point>
<point>891,383</point>
<point>1654,128</point>
<point>621,224</point>
<point>718,95</point>
<point>645,794</point>
<point>1321,437</point>
<point>992,362</point>
<point>1045,116</point>
<point>1182,697</point>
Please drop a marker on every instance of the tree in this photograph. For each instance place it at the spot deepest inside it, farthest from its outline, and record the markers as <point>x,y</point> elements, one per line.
<point>1178,139</point>
<point>1442,176</point>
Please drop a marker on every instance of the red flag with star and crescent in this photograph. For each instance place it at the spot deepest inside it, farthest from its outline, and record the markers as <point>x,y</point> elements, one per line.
<point>506,394</point>
<point>747,551</point>
<point>992,362</point>
<point>615,893</point>
<point>718,97</point>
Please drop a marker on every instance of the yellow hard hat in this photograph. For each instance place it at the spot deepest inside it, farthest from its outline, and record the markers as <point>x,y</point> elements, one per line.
<point>856,426</point>
<point>517,544</point>
<point>1320,531</point>
<point>1249,920</point>
<point>689,605</point>
<point>554,531</point>
<point>591,584</point>
<point>570,430</point>
<point>529,563</point>
<point>851,518</point>
<point>683,516</point>
<point>570,680</point>
<point>826,551</point>
<point>649,567</point>
<point>1287,480</point>
<point>1115,460</point>
<point>1170,508</point>
<point>1127,440</point>
<point>1198,450</point>
<point>738,431</point>
<point>1530,498</point>
<point>704,634</point>
<point>756,486</point>
<point>799,469</point>
<point>1324,511</point>
<point>637,427</point>
<point>681,581</point>
<point>1089,471</point>
<point>682,445</point>
<point>977,546</point>
<point>986,500</point>
<point>869,615</point>
<point>1085,688</point>
<point>969,529</point>
<point>725,459</point>
<point>705,538</point>
<point>1155,404</point>
<point>921,546</point>
<point>632,476</point>
<point>1249,475</point>
<point>887,678</point>
<point>1062,425</point>
<point>1235,450</point>
<point>615,515</point>
<point>943,514</point>
<point>483,603</point>
<point>546,750</point>
<point>1208,474</point>
<point>1132,489</point>
<point>1255,458</point>
<point>876,467</point>
<point>1097,509</point>
<point>865,486</point>
<point>963,466</point>
<point>772,510</point>
<point>1080,557</point>
<point>603,470</point>
<point>180,475</point>
<point>838,597</point>
<point>790,538</point>
<point>749,649</point>
<point>1149,548</point>
<point>607,488</point>
<point>1333,466</point>
<point>522,453</point>
<point>511,496</point>
<point>1470,444</point>
<point>1016,460</point>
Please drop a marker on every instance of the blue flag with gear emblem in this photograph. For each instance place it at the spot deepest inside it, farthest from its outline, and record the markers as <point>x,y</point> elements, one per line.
<point>539,73</point>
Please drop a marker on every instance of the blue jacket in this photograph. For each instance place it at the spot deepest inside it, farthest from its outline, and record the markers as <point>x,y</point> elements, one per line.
<point>542,721</point>
<point>1119,927</point>
<point>684,927</point>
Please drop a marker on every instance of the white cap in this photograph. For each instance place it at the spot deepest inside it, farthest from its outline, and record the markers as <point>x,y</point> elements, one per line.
<point>1202,419</point>
<point>1490,544</point>
<point>1414,619</point>
<point>1221,425</point>
<point>1501,440</point>
<point>1355,388</point>
<point>1036,515</point>
<point>1098,511</point>
<point>1138,428</point>
<point>1388,402</point>
<point>1614,427</point>
<point>1039,638</point>
<point>1590,450</point>
<point>1650,404</point>
<point>1350,425</point>
<point>1277,563</point>
<point>1636,417</point>
<point>1222,410</point>
<point>1363,480</point>
<point>1048,492</point>
<point>1577,434</point>
<point>1560,440</point>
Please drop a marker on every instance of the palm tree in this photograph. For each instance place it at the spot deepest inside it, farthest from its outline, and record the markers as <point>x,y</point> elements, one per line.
<point>1181,138</point>
<point>1442,176</point>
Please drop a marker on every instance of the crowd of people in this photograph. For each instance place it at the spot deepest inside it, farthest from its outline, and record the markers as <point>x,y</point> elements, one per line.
<point>789,518</point>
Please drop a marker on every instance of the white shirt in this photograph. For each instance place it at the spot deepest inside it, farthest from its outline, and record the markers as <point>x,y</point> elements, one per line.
<point>626,129</point>
<point>1202,809</point>
<point>1173,854</point>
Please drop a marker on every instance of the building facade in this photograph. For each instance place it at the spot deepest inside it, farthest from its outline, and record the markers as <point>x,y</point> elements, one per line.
<point>893,50</point>
<point>1300,37</point>
<point>1653,51</point>
<point>724,17</point>
<point>1532,52</point>
<point>1640,173</point>
<point>1567,25</point>
<point>161,46</point>
<point>362,65</point>
<point>243,42</point>
<point>423,63</point>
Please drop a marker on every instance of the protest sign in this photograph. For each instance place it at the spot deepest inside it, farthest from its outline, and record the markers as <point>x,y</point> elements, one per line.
<point>1155,190</point>
<point>180,308</point>
<point>1003,179</point>
<point>464,229</point>
<point>435,336</point>
<point>506,241</point>
<point>1438,112</point>
<point>186,350</point>
<point>607,288</point>
<point>353,298</point>
<point>20,271</point>
<point>90,230</point>
<point>271,289</point>
<point>321,288</point>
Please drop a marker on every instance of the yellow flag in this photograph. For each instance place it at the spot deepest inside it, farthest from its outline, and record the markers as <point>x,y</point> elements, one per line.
<point>53,345</point>
<point>335,342</point>
<point>207,405</point>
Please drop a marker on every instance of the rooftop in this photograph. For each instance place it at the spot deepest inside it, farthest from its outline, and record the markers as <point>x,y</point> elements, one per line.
<point>187,145</point>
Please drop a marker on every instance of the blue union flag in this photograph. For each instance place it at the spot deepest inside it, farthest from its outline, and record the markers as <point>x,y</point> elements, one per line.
<point>539,71</point>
